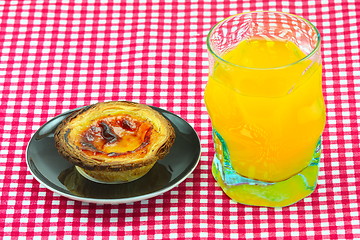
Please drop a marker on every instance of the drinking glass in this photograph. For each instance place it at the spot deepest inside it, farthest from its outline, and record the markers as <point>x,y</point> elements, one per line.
<point>264,98</point>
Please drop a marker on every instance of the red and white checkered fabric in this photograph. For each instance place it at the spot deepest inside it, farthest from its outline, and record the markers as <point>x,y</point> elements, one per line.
<point>57,55</point>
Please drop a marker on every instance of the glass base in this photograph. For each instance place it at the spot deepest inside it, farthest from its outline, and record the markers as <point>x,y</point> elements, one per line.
<point>270,194</point>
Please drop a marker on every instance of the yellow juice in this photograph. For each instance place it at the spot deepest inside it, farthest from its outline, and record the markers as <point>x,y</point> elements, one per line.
<point>267,111</point>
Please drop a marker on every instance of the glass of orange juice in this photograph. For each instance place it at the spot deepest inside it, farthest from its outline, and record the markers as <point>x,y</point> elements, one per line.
<point>264,97</point>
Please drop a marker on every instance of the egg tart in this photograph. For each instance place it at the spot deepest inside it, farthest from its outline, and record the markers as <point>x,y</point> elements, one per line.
<point>115,141</point>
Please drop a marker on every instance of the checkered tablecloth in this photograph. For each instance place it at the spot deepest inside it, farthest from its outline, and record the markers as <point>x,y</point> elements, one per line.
<point>57,55</point>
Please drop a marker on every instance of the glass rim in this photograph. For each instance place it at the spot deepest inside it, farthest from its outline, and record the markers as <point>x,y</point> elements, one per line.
<point>315,49</point>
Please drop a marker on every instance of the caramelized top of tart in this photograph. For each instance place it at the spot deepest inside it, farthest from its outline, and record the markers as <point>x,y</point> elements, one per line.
<point>115,136</point>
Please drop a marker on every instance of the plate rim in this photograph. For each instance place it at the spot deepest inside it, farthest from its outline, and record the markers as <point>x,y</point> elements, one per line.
<point>112,200</point>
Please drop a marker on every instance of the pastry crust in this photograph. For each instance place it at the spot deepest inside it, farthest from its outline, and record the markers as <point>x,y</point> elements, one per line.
<point>115,141</point>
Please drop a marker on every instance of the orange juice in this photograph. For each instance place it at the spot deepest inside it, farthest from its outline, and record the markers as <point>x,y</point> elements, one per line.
<point>267,111</point>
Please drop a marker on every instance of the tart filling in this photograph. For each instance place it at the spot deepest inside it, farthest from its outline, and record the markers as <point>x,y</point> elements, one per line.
<point>115,136</point>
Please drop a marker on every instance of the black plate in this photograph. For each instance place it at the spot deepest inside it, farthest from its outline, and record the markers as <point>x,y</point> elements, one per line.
<point>60,176</point>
